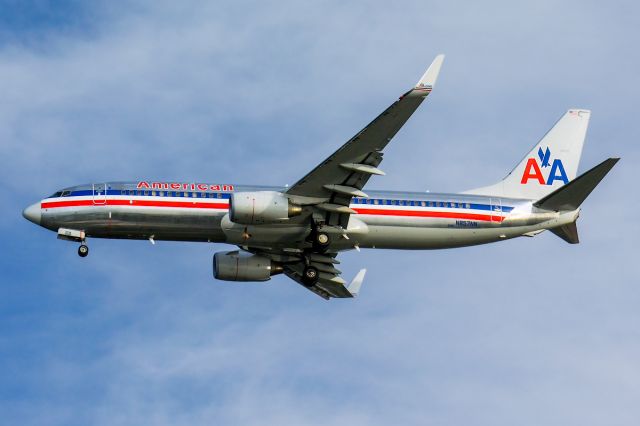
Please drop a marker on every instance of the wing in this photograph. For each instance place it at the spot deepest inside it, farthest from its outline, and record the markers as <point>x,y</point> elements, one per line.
<point>327,283</point>
<point>327,191</point>
<point>346,171</point>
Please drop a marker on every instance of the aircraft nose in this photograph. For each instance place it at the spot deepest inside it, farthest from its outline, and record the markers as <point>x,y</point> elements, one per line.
<point>33,213</point>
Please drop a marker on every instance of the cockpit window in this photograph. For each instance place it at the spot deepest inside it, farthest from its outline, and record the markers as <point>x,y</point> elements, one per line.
<point>65,193</point>
<point>56,195</point>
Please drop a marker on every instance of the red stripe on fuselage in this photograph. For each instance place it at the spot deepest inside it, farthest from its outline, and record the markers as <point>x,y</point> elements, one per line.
<point>438,214</point>
<point>224,206</point>
<point>137,203</point>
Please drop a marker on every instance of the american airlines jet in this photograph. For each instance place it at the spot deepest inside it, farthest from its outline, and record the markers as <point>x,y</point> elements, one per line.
<point>301,229</point>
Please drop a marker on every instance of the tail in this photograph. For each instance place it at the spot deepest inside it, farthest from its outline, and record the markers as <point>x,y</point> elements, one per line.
<point>552,163</point>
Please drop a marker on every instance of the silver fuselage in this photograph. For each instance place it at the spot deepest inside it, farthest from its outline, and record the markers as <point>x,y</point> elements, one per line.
<point>199,212</point>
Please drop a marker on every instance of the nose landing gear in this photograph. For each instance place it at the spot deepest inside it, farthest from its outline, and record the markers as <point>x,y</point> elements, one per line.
<point>83,250</point>
<point>77,236</point>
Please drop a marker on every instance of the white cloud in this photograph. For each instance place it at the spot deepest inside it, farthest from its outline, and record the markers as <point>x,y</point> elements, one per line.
<point>526,332</point>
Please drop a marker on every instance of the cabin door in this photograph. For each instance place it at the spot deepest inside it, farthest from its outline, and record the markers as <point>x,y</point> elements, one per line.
<point>99,193</point>
<point>496,210</point>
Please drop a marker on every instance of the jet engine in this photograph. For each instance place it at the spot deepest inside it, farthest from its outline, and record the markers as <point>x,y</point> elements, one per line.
<point>236,266</point>
<point>260,207</point>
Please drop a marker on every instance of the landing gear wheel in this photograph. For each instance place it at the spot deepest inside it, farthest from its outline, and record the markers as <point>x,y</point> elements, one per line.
<point>322,241</point>
<point>83,250</point>
<point>310,276</point>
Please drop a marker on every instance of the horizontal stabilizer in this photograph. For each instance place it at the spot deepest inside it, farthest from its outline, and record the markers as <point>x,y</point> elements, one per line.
<point>568,232</point>
<point>570,196</point>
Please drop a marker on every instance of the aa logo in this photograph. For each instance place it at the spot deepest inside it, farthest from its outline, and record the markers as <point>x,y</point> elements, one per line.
<point>533,170</point>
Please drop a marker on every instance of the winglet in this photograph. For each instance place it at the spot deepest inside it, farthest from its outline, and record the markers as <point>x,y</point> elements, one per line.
<point>356,283</point>
<point>430,76</point>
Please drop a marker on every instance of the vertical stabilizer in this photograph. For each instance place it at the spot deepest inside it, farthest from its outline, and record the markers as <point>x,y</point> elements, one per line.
<point>552,163</point>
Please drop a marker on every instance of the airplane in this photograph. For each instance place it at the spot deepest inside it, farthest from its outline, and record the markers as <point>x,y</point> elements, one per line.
<point>299,230</point>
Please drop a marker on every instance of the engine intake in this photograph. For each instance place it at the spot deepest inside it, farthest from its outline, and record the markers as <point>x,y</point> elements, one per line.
<point>260,207</point>
<point>236,266</point>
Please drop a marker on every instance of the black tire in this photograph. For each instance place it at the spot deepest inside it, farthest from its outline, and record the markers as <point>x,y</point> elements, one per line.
<point>321,242</point>
<point>310,275</point>
<point>323,239</point>
<point>83,250</point>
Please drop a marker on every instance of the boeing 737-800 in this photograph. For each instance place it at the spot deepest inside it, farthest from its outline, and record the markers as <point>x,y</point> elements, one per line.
<point>301,229</point>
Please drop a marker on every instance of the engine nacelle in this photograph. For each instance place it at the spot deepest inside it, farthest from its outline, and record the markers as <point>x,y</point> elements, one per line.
<point>260,207</point>
<point>236,266</point>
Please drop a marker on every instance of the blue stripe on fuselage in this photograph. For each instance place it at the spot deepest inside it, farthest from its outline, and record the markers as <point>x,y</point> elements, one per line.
<point>382,202</point>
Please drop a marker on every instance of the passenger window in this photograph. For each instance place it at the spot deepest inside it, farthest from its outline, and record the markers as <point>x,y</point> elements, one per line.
<point>424,204</point>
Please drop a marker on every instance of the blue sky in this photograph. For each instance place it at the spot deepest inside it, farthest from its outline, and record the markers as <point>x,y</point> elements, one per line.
<point>529,331</point>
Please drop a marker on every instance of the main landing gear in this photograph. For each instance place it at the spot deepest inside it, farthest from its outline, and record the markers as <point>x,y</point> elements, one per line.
<point>319,239</point>
<point>322,240</point>
<point>310,276</point>
<point>83,250</point>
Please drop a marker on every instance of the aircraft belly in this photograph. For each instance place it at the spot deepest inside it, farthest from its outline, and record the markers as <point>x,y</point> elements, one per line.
<point>425,222</point>
<point>435,233</point>
<point>139,222</point>
<point>413,238</point>
<point>280,235</point>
